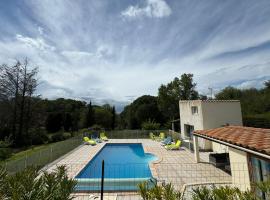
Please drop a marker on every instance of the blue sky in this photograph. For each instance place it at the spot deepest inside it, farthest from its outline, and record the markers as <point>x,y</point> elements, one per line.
<point>114,50</point>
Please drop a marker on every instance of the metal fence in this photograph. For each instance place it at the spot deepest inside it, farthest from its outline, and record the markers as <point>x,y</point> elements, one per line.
<point>121,181</point>
<point>52,152</point>
<point>43,156</point>
<point>133,134</point>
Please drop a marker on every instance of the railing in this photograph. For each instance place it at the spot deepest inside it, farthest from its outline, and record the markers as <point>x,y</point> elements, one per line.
<point>123,180</point>
<point>43,156</point>
<point>133,134</point>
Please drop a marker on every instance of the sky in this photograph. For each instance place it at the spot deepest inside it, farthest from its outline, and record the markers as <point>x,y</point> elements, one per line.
<point>113,51</point>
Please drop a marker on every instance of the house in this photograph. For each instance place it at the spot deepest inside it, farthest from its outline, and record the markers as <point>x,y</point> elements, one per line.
<point>249,152</point>
<point>207,114</point>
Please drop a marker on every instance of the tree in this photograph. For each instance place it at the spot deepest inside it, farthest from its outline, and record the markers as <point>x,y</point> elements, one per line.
<point>103,117</point>
<point>142,109</point>
<point>267,84</point>
<point>17,86</point>
<point>68,122</point>
<point>54,122</point>
<point>229,93</point>
<point>170,94</point>
<point>90,116</point>
<point>113,118</point>
<point>187,87</point>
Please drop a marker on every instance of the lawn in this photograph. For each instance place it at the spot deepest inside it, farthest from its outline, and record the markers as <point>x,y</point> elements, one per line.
<point>40,155</point>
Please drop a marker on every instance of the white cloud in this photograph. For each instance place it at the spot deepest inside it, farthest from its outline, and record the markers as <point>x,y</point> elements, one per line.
<point>40,30</point>
<point>37,43</point>
<point>90,53</point>
<point>77,54</point>
<point>153,8</point>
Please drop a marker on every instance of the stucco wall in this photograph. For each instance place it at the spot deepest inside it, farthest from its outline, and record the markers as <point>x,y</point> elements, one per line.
<point>211,114</point>
<point>219,148</point>
<point>239,168</point>
<point>216,114</point>
<point>186,116</point>
<point>196,120</point>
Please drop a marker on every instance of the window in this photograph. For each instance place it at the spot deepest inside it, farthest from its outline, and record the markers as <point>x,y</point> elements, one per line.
<point>194,110</point>
<point>188,130</point>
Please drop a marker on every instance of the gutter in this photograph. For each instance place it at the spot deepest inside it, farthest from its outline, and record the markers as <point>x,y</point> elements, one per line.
<point>233,146</point>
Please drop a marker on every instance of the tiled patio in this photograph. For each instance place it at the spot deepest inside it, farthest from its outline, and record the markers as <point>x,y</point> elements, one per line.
<point>177,167</point>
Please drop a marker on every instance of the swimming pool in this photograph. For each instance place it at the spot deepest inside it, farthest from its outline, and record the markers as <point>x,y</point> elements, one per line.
<point>126,165</point>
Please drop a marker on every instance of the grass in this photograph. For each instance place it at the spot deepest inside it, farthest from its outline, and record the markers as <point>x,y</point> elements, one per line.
<point>30,151</point>
<point>40,155</point>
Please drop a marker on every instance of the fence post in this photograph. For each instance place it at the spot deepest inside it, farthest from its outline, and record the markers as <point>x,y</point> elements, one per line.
<point>25,161</point>
<point>51,154</point>
<point>102,181</point>
<point>39,158</point>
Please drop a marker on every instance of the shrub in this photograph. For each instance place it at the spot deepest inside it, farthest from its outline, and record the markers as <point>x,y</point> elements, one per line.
<point>59,136</point>
<point>150,125</point>
<point>30,184</point>
<point>259,121</point>
<point>67,135</point>
<point>96,127</point>
<point>38,136</point>
<point>5,151</point>
<point>223,192</point>
<point>166,192</point>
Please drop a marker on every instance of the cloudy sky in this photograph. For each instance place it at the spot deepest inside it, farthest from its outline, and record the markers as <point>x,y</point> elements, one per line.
<point>115,50</point>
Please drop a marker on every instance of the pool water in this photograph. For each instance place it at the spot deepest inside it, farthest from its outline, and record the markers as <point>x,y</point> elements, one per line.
<point>125,166</point>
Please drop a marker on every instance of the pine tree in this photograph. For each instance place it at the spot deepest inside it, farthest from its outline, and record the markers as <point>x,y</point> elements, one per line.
<point>90,116</point>
<point>113,118</point>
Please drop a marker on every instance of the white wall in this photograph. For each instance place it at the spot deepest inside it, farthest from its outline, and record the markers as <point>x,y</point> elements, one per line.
<point>186,117</point>
<point>196,120</point>
<point>211,114</point>
<point>239,168</point>
<point>218,113</point>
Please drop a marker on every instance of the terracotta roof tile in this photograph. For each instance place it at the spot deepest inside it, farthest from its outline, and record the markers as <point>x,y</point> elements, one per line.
<point>256,139</point>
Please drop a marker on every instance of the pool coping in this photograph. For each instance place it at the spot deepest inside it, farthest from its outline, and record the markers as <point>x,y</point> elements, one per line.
<point>152,165</point>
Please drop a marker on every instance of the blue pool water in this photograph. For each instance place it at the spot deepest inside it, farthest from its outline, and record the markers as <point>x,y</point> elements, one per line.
<point>125,166</point>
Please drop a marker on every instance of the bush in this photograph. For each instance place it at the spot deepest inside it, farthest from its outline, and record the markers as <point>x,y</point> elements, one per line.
<point>67,135</point>
<point>5,153</point>
<point>223,192</point>
<point>96,127</point>
<point>30,184</point>
<point>259,121</point>
<point>166,192</point>
<point>59,136</point>
<point>39,136</point>
<point>150,125</point>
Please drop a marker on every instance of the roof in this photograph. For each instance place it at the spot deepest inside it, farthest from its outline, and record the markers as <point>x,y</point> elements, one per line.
<point>256,139</point>
<point>209,100</point>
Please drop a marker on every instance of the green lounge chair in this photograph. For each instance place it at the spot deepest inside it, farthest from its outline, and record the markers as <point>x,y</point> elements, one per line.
<point>160,137</point>
<point>88,141</point>
<point>103,136</point>
<point>152,136</point>
<point>173,146</point>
